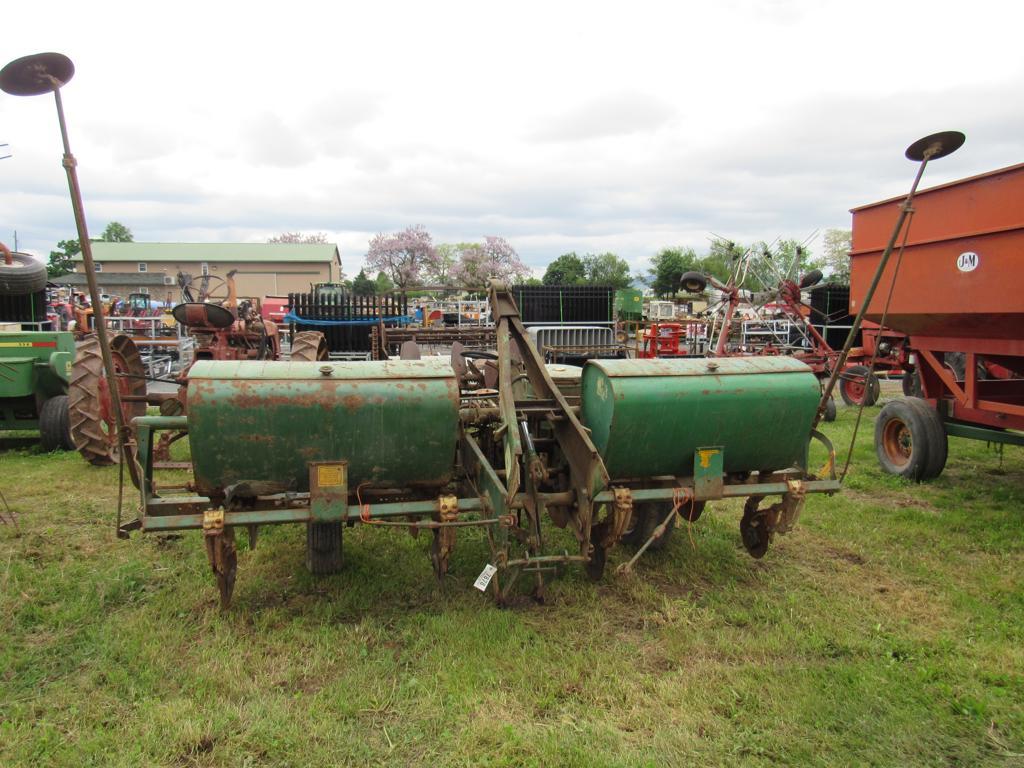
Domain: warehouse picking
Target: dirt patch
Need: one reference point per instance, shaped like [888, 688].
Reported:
[841, 554]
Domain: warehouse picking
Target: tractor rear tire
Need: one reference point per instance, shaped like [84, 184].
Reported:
[309, 346]
[54, 428]
[84, 405]
[323, 548]
[910, 440]
[24, 276]
[861, 385]
[92, 424]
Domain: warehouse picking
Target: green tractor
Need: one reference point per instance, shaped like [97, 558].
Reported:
[51, 384]
[35, 368]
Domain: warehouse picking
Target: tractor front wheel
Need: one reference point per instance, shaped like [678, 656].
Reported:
[54, 429]
[309, 346]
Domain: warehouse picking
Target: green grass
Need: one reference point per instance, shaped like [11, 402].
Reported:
[885, 630]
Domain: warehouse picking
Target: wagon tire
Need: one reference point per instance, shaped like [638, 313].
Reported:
[324, 548]
[309, 346]
[906, 439]
[912, 384]
[54, 429]
[857, 383]
[25, 275]
[938, 442]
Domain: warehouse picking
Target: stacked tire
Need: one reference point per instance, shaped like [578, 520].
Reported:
[24, 275]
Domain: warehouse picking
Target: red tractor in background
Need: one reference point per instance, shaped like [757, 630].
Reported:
[224, 328]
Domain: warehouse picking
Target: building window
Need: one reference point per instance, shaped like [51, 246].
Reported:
[205, 268]
[143, 289]
[97, 267]
[142, 266]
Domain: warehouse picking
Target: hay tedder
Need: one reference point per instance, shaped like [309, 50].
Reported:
[423, 445]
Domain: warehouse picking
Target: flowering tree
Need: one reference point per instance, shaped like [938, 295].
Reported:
[494, 258]
[402, 256]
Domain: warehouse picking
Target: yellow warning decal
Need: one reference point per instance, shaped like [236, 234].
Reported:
[328, 475]
[705, 456]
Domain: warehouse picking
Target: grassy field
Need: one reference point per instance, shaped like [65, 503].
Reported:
[886, 630]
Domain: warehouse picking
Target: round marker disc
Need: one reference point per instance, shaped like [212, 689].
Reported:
[948, 142]
[30, 75]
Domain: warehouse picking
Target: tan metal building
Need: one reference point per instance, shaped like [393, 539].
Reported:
[261, 269]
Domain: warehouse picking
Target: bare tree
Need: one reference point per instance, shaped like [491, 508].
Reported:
[316, 238]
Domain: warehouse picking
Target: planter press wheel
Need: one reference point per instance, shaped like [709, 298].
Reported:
[754, 528]
[91, 413]
[649, 515]
[857, 384]
[830, 410]
[323, 540]
[309, 346]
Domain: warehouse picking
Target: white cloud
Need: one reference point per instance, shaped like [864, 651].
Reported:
[613, 114]
[561, 126]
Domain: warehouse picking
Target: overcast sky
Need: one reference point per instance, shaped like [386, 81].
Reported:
[560, 126]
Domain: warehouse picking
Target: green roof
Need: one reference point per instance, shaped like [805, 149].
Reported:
[213, 252]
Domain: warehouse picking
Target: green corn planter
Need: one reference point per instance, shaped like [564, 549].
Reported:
[396, 423]
[649, 417]
[35, 362]
[35, 367]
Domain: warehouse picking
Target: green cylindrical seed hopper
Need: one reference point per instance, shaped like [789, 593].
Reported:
[647, 417]
[395, 422]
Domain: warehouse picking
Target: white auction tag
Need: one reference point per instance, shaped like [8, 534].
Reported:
[485, 577]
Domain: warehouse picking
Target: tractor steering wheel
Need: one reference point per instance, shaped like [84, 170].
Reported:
[205, 289]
